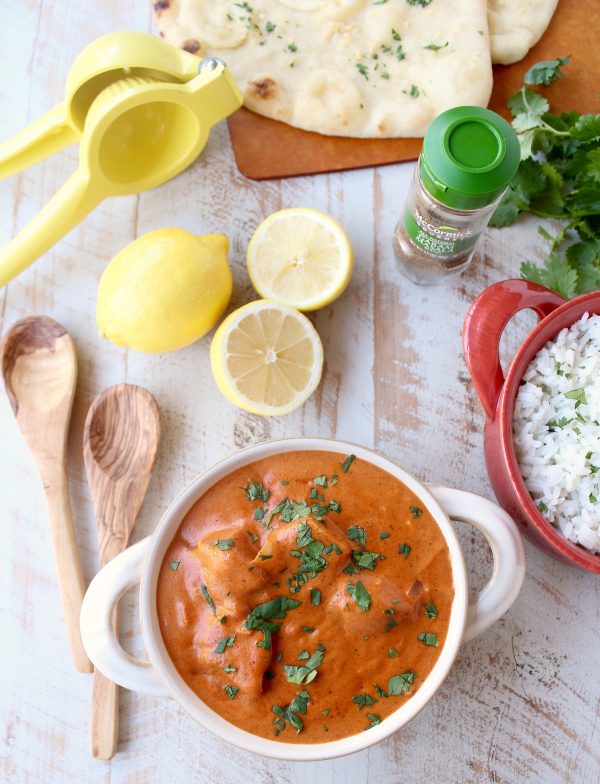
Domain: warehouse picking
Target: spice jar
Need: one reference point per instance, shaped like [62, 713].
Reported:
[469, 156]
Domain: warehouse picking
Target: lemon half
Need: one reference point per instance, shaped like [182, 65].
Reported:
[267, 358]
[301, 257]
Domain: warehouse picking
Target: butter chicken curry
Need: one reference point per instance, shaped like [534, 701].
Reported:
[306, 596]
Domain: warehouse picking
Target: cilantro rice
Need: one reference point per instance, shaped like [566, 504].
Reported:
[556, 426]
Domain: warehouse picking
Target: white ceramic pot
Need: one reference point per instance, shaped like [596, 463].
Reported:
[140, 564]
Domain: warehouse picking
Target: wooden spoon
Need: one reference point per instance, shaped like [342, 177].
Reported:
[122, 430]
[39, 367]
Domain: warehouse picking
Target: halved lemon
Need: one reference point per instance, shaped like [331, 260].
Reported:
[301, 257]
[266, 358]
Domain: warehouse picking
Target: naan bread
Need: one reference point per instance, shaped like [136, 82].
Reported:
[516, 26]
[368, 68]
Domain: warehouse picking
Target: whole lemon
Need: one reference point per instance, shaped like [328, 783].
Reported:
[164, 290]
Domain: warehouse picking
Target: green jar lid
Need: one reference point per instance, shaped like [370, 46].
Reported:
[469, 156]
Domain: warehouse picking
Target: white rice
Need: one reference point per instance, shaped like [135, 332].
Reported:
[557, 438]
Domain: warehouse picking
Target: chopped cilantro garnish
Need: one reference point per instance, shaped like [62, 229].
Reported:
[365, 559]
[428, 638]
[379, 690]
[374, 720]
[334, 479]
[436, 47]
[314, 495]
[332, 548]
[308, 629]
[269, 27]
[335, 506]
[321, 480]
[592, 498]
[400, 684]
[395, 35]
[315, 596]
[303, 655]
[225, 642]
[265, 557]
[559, 370]
[392, 653]
[357, 534]
[256, 492]
[252, 536]
[174, 565]
[292, 47]
[304, 535]
[360, 595]
[223, 544]
[404, 549]
[363, 70]
[207, 596]
[285, 484]
[305, 673]
[390, 624]
[364, 700]
[259, 615]
[351, 458]
[384, 535]
[578, 395]
[415, 511]
[290, 713]
[542, 507]
[325, 712]
[400, 54]
[231, 691]
[259, 513]
[431, 609]
[350, 569]
[229, 668]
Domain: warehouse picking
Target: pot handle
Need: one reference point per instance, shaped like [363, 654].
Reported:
[507, 548]
[99, 638]
[485, 322]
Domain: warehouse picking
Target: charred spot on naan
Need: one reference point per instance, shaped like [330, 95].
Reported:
[265, 88]
[192, 46]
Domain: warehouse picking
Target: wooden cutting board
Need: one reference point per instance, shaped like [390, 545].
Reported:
[266, 149]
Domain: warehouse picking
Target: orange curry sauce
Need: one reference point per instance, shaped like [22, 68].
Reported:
[306, 621]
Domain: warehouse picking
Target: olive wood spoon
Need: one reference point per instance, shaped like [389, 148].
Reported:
[120, 441]
[39, 367]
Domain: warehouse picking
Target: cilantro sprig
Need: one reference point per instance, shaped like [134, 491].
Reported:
[558, 178]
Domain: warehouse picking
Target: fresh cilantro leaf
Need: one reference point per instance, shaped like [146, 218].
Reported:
[415, 511]
[400, 684]
[223, 544]
[304, 535]
[321, 480]
[357, 534]
[207, 596]
[305, 673]
[364, 559]
[291, 713]
[555, 275]
[404, 549]
[428, 638]
[348, 462]
[225, 642]
[546, 71]
[174, 565]
[392, 653]
[261, 615]
[360, 595]
[364, 700]
[430, 609]
[231, 691]
[373, 717]
[315, 596]
[436, 47]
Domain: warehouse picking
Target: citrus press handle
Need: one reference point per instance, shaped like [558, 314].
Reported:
[62, 213]
[35, 142]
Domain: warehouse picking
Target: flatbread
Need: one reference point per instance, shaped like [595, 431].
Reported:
[516, 26]
[365, 68]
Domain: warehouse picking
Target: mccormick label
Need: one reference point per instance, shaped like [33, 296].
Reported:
[437, 241]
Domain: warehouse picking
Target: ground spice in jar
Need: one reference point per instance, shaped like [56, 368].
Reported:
[469, 156]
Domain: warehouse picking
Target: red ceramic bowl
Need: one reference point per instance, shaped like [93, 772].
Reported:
[483, 328]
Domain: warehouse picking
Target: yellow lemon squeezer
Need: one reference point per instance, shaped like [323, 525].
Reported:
[141, 110]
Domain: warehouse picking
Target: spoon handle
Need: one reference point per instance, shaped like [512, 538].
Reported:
[105, 717]
[68, 565]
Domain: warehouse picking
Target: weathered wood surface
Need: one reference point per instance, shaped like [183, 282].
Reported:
[522, 703]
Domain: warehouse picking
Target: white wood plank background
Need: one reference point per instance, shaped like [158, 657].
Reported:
[522, 703]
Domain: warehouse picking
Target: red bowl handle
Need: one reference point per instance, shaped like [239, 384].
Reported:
[485, 322]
